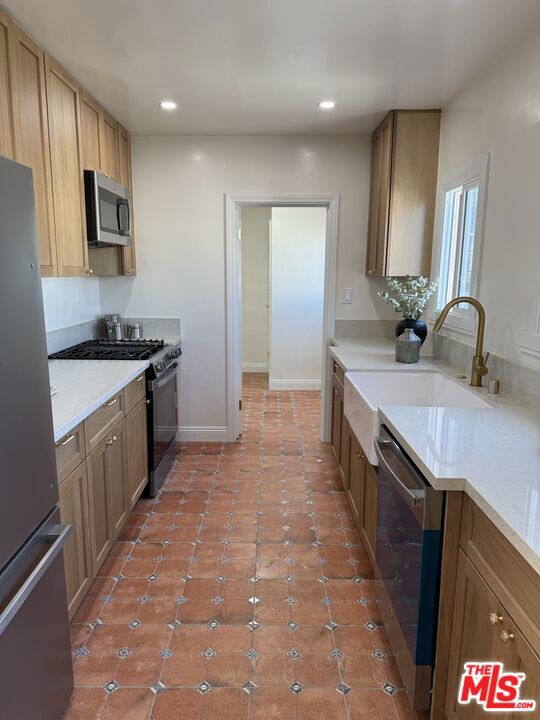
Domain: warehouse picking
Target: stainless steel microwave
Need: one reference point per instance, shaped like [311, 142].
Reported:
[108, 211]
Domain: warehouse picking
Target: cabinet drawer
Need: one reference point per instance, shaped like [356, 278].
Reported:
[340, 372]
[135, 391]
[510, 577]
[70, 452]
[102, 421]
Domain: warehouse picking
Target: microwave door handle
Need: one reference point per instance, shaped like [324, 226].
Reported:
[123, 212]
[414, 498]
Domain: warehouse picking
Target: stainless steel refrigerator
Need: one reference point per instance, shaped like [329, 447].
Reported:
[36, 677]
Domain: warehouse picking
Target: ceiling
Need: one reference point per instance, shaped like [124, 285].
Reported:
[261, 66]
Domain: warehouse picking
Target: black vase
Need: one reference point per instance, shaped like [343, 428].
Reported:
[419, 327]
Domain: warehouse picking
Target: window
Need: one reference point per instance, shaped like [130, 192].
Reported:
[459, 231]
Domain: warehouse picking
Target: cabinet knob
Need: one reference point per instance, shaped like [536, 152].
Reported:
[89, 271]
[370, 272]
[114, 438]
[495, 618]
[128, 272]
[506, 636]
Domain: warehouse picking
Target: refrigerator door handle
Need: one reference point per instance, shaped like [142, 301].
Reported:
[57, 535]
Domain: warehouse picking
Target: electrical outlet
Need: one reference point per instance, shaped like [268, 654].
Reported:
[347, 296]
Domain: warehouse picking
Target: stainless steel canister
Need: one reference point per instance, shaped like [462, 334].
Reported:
[135, 331]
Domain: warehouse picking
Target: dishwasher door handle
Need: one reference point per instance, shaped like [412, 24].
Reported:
[414, 498]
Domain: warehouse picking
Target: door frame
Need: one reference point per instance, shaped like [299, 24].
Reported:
[233, 259]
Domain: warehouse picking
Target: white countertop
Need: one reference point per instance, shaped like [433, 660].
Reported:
[492, 454]
[84, 385]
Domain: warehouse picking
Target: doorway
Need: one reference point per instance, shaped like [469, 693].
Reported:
[320, 371]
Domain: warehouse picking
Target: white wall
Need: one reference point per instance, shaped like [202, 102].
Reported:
[499, 113]
[298, 240]
[179, 187]
[69, 301]
[255, 275]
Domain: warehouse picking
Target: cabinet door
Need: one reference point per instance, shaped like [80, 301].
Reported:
[337, 413]
[99, 504]
[356, 477]
[6, 73]
[137, 452]
[473, 634]
[344, 450]
[117, 477]
[73, 503]
[90, 136]
[369, 510]
[109, 145]
[379, 199]
[129, 264]
[67, 179]
[31, 131]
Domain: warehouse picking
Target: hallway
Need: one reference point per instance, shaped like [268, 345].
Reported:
[241, 591]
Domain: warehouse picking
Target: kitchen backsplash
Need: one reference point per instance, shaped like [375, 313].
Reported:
[517, 380]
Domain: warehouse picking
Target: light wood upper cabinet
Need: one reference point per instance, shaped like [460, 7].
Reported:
[90, 132]
[109, 145]
[404, 162]
[6, 108]
[31, 127]
[73, 503]
[129, 264]
[65, 145]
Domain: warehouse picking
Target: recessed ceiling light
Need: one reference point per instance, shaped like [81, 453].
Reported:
[167, 105]
[327, 104]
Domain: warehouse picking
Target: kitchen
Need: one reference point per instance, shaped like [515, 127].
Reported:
[155, 528]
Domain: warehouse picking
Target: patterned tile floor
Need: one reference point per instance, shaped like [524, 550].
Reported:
[242, 591]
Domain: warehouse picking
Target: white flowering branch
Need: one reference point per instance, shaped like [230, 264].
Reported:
[410, 296]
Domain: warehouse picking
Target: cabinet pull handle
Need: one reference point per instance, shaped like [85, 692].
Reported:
[141, 377]
[67, 440]
[506, 636]
[111, 402]
[114, 438]
[495, 618]
[358, 454]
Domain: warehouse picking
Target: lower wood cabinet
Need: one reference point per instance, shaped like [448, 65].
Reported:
[137, 453]
[117, 479]
[355, 485]
[368, 520]
[482, 630]
[73, 503]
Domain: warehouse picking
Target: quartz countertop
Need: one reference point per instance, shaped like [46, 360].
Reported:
[84, 385]
[492, 454]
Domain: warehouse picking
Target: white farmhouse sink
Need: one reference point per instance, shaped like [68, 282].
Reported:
[366, 391]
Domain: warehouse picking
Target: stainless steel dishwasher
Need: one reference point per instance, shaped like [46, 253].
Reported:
[408, 558]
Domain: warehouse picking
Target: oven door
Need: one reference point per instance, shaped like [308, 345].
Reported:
[408, 547]
[163, 420]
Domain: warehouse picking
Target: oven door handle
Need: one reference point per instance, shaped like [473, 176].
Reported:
[171, 375]
[414, 498]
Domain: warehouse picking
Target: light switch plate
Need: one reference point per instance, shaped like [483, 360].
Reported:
[347, 296]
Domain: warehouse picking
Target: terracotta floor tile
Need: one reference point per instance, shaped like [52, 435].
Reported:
[128, 704]
[223, 569]
[322, 704]
[177, 704]
[85, 703]
[272, 704]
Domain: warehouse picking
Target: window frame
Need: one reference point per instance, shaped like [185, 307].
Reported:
[461, 318]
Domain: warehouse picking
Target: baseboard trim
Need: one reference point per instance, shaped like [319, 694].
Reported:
[255, 367]
[200, 433]
[294, 384]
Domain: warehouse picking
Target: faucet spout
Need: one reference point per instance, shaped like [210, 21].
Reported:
[479, 368]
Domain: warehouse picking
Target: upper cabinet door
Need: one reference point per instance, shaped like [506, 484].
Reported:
[32, 138]
[109, 146]
[379, 198]
[129, 265]
[6, 110]
[65, 142]
[90, 130]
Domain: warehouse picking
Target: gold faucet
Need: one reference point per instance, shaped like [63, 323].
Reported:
[479, 368]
